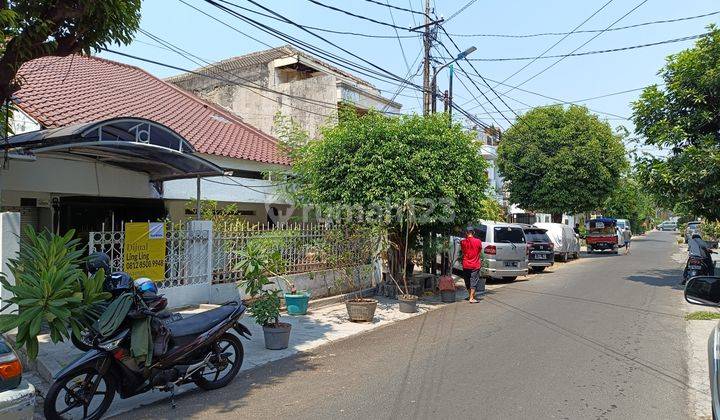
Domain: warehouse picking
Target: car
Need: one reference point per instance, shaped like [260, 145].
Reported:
[690, 229]
[705, 290]
[566, 242]
[17, 397]
[667, 225]
[505, 252]
[541, 253]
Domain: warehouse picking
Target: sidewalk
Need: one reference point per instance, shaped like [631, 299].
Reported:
[319, 327]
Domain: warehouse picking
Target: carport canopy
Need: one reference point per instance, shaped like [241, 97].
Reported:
[136, 144]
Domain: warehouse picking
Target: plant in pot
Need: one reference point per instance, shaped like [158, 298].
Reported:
[408, 301]
[296, 301]
[359, 307]
[256, 262]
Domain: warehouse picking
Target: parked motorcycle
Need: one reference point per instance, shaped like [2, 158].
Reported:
[199, 349]
[696, 266]
[114, 284]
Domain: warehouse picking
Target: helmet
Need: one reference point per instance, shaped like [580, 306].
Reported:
[96, 261]
[144, 284]
[120, 282]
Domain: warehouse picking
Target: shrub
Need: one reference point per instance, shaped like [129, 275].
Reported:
[51, 290]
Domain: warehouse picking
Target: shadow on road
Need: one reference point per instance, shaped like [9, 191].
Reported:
[662, 278]
[195, 402]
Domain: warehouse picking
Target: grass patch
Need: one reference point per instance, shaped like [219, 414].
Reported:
[702, 315]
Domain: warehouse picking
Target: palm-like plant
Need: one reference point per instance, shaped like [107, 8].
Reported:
[50, 289]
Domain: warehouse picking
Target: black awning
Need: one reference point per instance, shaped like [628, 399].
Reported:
[136, 144]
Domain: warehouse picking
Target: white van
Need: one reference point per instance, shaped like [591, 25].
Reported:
[567, 243]
[505, 252]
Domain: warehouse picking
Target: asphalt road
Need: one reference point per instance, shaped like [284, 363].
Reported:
[602, 337]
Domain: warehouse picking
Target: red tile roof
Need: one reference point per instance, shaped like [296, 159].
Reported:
[59, 91]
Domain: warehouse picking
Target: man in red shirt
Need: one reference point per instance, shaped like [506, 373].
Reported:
[471, 250]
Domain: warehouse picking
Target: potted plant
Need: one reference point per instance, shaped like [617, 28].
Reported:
[359, 308]
[408, 302]
[256, 262]
[296, 301]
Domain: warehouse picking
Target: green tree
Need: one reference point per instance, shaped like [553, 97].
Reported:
[560, 160]
[407, 174]
[629, 201]
[38, 28]
[684, 117]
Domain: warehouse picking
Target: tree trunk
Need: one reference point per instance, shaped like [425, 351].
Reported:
[556, 217]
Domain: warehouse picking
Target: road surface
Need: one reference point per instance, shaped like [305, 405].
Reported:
[602, 337]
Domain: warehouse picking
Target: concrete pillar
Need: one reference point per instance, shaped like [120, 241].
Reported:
[197, 263]
[9, 248]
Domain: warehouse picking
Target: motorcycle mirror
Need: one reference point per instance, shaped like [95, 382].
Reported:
[703, 290]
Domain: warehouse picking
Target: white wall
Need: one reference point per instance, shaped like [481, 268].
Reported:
[222, 188]
[69, 176]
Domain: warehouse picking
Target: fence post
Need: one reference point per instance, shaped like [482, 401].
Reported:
[201, 254]
[9, 248]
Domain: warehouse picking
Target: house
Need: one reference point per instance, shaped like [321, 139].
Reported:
[89, 190]
[489, 138]
[283, 80]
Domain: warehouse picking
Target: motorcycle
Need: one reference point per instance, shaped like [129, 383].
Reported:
[696, 266]
[199, 349]
[100, 260]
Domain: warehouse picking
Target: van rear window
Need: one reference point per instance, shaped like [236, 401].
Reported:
[536, 235]
[509, 234]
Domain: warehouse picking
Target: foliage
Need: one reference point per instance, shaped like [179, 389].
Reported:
[376, 170]
[38, 28]
[710, 231]
[684, 117]
[560, 160]
[256, 263]
[492, 210]
[219, 215]
[629, 201]
[51, 289]
[374, 163]
[701, 316]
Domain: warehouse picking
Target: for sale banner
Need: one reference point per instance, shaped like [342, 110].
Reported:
[144, 250]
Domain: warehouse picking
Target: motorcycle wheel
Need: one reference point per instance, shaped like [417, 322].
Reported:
[227, 358]
[82, 393]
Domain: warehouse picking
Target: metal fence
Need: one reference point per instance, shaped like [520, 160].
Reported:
[303, 247]
[184, 256]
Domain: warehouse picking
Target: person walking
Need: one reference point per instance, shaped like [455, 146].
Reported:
[627, 236]
[471, 250]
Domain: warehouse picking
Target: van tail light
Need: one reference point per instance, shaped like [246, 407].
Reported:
[10, 366]
[527, 249]
[491, 250]
[552, 246]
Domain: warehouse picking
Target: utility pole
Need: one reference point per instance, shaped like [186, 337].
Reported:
[427, 93]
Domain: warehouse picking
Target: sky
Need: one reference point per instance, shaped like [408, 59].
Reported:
[571, 79]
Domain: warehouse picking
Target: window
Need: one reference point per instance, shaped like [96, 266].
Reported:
[509, 234]
[536, 235]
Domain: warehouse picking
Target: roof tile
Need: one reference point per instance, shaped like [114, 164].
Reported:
[59, 91]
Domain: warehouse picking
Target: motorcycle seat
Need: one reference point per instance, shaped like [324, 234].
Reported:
[197, 324]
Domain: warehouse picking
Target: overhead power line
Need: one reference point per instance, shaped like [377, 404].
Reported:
[460, 10]
[588, 31]
[611, 50]
[337, 9]
[573, 51]
[396, 8]
[557, 42]
[379, 74]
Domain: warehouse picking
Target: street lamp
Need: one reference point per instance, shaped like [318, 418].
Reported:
[433, 85]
